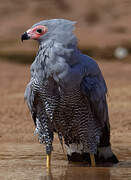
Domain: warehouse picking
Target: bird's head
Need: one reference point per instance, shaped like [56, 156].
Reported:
[58, 29]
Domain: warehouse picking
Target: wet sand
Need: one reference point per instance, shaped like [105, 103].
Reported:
[22, 157]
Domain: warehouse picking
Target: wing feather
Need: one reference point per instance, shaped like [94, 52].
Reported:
[29, 96]
[95, 89]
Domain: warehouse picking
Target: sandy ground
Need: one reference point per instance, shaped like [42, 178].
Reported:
[20, 153]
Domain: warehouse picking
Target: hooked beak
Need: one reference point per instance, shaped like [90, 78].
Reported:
[25, 36]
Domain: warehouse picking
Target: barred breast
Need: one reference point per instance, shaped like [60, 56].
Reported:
[76, 122]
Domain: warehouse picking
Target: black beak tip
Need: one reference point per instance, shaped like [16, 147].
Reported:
[24, 36]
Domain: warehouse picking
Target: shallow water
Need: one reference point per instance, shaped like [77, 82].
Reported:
[27, 161]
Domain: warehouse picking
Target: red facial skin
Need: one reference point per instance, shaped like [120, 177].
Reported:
[33, 34]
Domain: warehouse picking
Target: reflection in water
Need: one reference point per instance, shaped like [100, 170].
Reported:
[27, 161]
[121, 171]
[79, 173]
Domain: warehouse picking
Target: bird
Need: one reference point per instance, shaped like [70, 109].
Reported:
[67, 95]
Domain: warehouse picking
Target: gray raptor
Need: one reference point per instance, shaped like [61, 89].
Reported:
[67, 95]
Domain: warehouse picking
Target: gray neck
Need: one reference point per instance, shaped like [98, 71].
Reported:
[68, 52]
[55, 59]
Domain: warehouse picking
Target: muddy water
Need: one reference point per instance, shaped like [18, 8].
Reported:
[27, 161]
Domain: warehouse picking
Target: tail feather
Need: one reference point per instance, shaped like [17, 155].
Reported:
[104, 154]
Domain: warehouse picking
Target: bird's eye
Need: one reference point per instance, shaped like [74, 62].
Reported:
[39, 31]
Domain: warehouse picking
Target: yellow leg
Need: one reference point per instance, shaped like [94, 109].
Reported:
[93, 164]
[48, 160]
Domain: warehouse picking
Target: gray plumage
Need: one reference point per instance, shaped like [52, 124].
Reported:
[67, 92]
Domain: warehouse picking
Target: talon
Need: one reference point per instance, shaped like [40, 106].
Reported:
[92, 157]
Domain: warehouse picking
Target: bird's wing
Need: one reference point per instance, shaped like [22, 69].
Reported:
[30, 99]
[93, 86]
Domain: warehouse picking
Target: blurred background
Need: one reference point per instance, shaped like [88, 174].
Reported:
[103, 30]
[102, 26]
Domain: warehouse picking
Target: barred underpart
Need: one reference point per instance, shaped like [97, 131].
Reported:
[74, 119]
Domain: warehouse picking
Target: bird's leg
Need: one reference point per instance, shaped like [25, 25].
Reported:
[49, 149]
[48, 161]
[92, 157]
